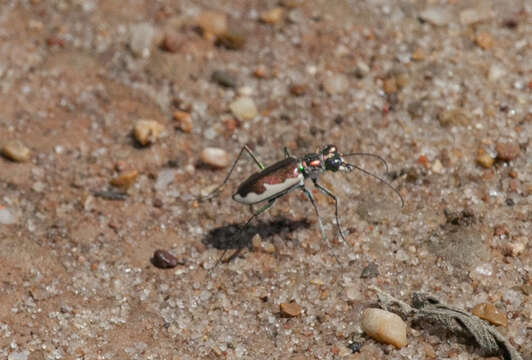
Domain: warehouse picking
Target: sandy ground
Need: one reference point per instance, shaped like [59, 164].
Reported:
[441, 89]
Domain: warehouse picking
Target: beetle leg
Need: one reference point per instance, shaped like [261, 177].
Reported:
[330, 194]
[218, 188]
[286, 153]
[311, 198]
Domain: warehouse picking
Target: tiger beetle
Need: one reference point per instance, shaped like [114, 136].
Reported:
[289, 174]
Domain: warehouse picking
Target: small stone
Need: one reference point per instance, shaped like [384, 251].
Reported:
[256, 242]
[476, 15]
[490, 313]
[418, 55]
[272, 16]
[496, 72]
[437, 167]
[184, 121]
[215, 157]
[384, 326]
[170, 42]
[389, 85]
[454, 117]
[6, 216]
[164, 178]
[268, 247]
[336, 84]
[484, 40]
[362, 69]
[22, 355]
[212, 23]
[141, 39]
[147, 131]
[436, 15]
[232, 39]
[164, 260]
[16, 151]
[507, 151]
[260, 72]
[244, 108]
[484, 159]
[125, 179]
[298, 89]
[370, 271]
[514, 248]
[290, 309]
[224, 78]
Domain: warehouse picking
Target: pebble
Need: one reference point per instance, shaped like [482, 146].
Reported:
[215, 157]
[164, 260]
[454, 117]
[147, 131]
[268, 247]
[370, 271]
[514, 248]
[436, 15]
[272, 16]
[260, 72]
[507, 151]
[244, 108]
[336, 84]
[212, 23]
[290, 309]
[232, 39]
[298, 89]
[184, 121]
[484, 40]
[125, 179]
[141, 39]
[224, 78]
[475, 15]
[490, 313]
[484, 159]
[23, 355]
[418, 55]
[6, 216]
[384, 326]
[170, 42]
[256, 242]
[16, 151]
[164, 178]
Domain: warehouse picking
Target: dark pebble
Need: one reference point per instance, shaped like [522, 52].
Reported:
[163, 259]
[370, 271]
[224, 79]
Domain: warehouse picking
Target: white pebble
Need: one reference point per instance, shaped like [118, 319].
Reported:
[141, 39]
[215, 157]
[244, 108]
[164, 178]
[385, 327]
[6, 216]
[23, 355]
[437, 15]
[336, 84]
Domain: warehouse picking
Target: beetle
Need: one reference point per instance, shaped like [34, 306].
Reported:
[289, 174]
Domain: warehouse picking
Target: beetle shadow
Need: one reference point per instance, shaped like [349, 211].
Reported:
[236, 236]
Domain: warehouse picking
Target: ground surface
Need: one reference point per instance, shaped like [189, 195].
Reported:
[439, 89]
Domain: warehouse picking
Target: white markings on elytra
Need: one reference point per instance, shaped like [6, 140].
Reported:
[271, 190]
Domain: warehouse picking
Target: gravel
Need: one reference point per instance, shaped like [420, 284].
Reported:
[429, 91]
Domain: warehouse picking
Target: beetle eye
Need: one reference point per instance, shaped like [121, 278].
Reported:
[333, 164]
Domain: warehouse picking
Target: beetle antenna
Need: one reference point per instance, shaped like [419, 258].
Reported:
[383, 181]
[369, 154]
